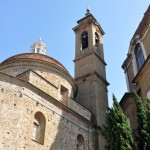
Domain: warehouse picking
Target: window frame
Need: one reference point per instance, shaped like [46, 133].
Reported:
[96, 39]
[80, 142]
[84, 43]
[139, 56]
[38, 128]
[64, 92]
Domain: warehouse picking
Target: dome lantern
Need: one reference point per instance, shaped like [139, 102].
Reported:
[39, 47]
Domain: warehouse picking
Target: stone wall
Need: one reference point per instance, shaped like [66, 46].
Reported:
[18, 105]
[79, 109]
[130, 76]
[52, 75]
[146, 42]
[129, 108]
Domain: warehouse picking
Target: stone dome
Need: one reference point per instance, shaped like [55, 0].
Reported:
[35, 57]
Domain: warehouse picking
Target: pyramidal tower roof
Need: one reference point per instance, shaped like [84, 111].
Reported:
[90, 18]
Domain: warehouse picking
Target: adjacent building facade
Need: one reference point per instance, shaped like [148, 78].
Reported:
[137, 68]
[42, 107]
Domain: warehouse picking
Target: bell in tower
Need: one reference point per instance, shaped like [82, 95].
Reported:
[90, 73]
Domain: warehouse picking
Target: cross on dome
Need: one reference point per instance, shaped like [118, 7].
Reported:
[39, 47]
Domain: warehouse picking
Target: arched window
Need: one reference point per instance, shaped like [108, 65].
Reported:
[38, 130]
[139, 56]
[96, 40]
[84, 40]
[80, 142]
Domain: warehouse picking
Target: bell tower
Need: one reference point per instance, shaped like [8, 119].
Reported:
[90, 73]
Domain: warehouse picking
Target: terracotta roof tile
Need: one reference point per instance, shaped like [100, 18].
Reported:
[35, 56]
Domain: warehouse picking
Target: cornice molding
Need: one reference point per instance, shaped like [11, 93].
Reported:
[43, 65]
[94, 73]
[87, 53]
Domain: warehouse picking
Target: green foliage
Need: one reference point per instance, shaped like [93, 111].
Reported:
[142, 137]
[148, 121]
[116, 129]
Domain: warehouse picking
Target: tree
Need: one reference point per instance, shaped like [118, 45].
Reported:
[148, 121]
[142, 134]
[116, 129]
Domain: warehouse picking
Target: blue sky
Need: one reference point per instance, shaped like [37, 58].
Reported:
[25, 21]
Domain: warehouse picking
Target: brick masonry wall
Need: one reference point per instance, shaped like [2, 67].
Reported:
[17, 108]
[54, 76]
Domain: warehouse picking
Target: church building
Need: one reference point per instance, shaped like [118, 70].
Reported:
[42, 107]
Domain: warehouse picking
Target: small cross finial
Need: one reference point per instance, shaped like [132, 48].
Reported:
[88, 11]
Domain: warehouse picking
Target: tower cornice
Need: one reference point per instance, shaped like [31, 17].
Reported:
[90, 19]
[104, 81]
[90, 52]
